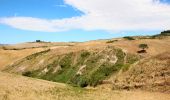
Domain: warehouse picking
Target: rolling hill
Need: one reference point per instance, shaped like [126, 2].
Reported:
[108, 65]
[14, 87]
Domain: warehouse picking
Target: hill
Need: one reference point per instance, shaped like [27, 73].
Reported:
[15, 52]
[103, 64]
[84, 67]
[7, 57]
[14, 87]
[86, 63]
[148, 74]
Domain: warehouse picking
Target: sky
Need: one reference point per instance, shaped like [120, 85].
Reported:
[80, 20]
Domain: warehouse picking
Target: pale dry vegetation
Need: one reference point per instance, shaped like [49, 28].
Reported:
[151, 74]
[14, 87]
[9, 56]
[149, 71]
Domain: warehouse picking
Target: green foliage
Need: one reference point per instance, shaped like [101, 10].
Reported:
[131, 58]
[111, 41]
[83, 82]
[37, 54]
[94, 73]
[128, 38]
[28, 73]
[120, 55]
[66, 61]
[85, 54]
[165, 33]
[38, 40]
[143, 46]
[125, 67]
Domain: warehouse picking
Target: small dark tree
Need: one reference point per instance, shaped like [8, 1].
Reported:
[143, 46]
[128, 38]
[38, 40]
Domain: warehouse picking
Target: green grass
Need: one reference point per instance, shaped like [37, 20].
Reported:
[94, 73]
[37, 54]
[128, 38]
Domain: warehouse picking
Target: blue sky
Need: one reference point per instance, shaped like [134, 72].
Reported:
[52, 10]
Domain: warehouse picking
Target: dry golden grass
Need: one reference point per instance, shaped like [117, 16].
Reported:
[14, 87]
[9, 56]
[156, 46]
[148, 74]
[30, 45]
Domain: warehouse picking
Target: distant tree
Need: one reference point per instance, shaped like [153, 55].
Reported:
[165, 33]
[143, 46]
[128, 38]
[38, 40]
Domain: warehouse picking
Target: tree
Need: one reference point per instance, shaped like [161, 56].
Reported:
[143, 46]
[38, 40]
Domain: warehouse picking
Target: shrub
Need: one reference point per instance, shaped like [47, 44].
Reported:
[38, 40]
[111, 41]
[143, 46]
[165, 33]
[131, 58]
[125, 67]
[28, 73]
[128, 38]
[85, 54]
[83, 82]
[37, 54]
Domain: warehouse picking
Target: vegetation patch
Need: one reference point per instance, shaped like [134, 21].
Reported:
[66, 68]
[111, 41]
[128, 38]
[37, 54]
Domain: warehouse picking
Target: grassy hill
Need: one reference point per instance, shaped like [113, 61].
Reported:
[7, 57]
[14, 87]
[103, 64]
[151, 74]
[82, 68]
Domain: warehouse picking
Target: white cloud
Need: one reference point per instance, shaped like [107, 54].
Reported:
[110, 15]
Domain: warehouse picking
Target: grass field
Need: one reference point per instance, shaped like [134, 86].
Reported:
[14, 87]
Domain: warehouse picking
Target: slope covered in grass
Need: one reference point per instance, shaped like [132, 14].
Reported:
[152, 74]
[82, 68]
[14, 87]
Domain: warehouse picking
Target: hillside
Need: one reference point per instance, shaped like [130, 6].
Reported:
[107, 65]
[14, 87]
[7, 57]
[15, 52]
[32, 45]
[151, 74]
[84, 67]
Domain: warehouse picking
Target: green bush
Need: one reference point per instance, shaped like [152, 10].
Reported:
[28, 73]
[111, 41]
[126, 67]
[131, 58]
[38, 40]
[128, 38]
[85, 54]
[83, 82]
[143, 46]
[37, 54]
